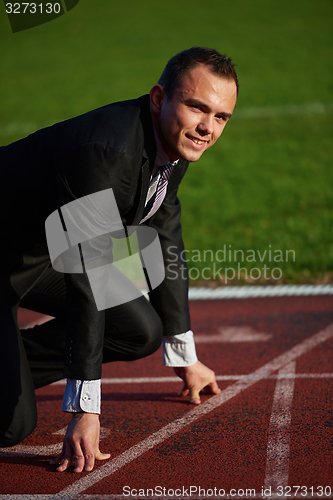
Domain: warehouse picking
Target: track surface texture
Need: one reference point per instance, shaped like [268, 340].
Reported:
[269, 434]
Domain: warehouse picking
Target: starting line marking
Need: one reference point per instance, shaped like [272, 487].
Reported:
[234, 334]
[172, 428]
[159, 380]
[21, 450]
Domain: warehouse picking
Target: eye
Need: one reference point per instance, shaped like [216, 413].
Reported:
[222, 118]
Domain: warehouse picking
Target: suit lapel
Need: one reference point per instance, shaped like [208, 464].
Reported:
[134, 216]
[142, 192]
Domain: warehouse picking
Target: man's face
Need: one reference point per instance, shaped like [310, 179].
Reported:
[195, 117]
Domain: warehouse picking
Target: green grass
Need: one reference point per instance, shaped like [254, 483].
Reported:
[267, 184]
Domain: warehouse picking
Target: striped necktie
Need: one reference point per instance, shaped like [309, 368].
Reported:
[156, 200]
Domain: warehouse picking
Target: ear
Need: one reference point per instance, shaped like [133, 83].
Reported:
[157, 96]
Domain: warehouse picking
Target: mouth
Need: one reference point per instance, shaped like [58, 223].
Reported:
[200, 143]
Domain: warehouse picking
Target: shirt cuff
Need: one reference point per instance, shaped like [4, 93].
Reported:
[179, 350]
[82, 395]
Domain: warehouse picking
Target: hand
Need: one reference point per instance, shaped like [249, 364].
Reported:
[81, 443]
[196, 378]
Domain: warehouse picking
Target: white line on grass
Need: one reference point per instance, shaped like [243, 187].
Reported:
[277, 465]
[307, 108]
[172, 428]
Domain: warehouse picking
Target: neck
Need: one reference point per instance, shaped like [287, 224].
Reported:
[155, 120]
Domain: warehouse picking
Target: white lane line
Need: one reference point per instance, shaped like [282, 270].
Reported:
[28, 497]
[233, 334]
[159, 380]
[21, 450]
[169, 430]
[277, 465]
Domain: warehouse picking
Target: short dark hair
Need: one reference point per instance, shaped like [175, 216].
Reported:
[181, 63]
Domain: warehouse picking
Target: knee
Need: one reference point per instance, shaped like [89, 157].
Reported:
[15, 427]
[11, 436]
[151, 336]
[137, 339]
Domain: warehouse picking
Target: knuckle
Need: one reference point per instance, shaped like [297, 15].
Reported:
[69, 440]
[86, 440]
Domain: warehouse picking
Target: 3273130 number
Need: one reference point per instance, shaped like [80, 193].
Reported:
[304, 491]
[33, 8]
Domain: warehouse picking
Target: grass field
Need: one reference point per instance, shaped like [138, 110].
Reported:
[266, 187]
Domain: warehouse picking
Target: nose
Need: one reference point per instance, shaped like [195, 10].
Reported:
[205, 126]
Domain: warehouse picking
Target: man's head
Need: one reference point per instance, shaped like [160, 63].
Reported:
[181, 63]
[193, 101]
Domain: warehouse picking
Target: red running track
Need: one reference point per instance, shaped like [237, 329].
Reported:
[268, 435]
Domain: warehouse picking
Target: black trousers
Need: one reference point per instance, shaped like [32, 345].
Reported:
[35, 357]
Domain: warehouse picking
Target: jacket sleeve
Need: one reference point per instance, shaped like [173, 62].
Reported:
[79, 173]
[170, 299]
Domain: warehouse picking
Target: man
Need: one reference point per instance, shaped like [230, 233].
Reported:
[121, 147]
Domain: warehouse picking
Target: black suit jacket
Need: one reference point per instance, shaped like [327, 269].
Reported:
[111, 147]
